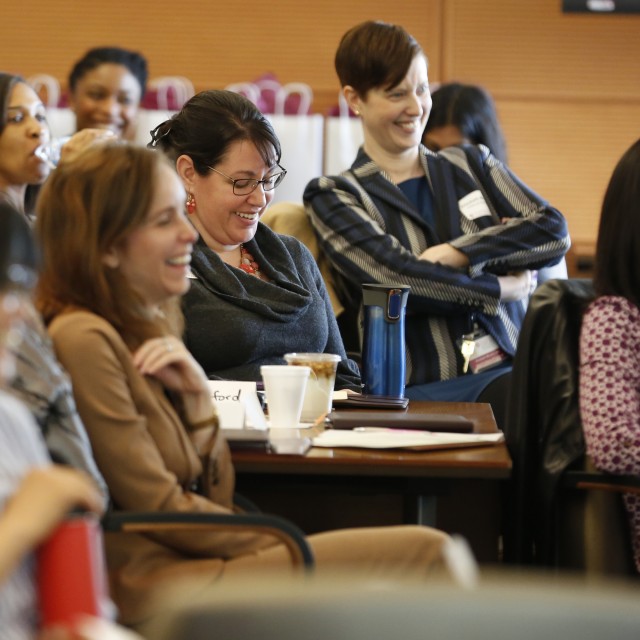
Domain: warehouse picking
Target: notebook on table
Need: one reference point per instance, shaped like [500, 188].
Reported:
[441, 422]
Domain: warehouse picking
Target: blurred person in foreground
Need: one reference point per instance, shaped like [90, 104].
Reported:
[35, 495]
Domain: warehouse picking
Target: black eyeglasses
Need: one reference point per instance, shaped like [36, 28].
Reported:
[244, 186]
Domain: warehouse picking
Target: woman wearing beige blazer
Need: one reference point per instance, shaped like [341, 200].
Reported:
[116, 250]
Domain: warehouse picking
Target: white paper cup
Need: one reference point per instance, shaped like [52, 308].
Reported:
[319, 394]
[284, 387]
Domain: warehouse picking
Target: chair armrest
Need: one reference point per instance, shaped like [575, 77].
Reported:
[244, 504]
[601, 481]
[283, 530]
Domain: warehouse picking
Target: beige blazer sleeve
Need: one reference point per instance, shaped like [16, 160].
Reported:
[139, 442]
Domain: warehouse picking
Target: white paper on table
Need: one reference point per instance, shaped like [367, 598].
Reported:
[382, 438]
[239, 411]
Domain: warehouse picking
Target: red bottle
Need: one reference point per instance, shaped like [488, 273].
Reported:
[71, 574]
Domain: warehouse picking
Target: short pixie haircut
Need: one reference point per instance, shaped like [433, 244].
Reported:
[375, 54]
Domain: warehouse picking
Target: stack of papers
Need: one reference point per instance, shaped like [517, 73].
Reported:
[381, 438]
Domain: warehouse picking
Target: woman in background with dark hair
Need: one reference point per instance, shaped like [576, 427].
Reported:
[106, 87]
[24, 133]
[39, 380]
[24, 143]
[610, 337]
[463, 113]
[255, 294]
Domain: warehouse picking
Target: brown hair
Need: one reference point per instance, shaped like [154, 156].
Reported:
[87, 207]
[375, 54]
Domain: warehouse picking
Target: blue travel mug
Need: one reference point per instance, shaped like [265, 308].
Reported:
[383, 352]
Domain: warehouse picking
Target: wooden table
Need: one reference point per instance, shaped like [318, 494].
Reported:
[455, 489]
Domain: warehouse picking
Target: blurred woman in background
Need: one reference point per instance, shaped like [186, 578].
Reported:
[463, 113]
[466, 114]
[25, 159]
[106, 87]
[24, 133]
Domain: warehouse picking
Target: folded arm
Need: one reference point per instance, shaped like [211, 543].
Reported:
[353, 234]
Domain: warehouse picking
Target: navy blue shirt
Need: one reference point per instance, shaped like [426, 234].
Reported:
[419, 194]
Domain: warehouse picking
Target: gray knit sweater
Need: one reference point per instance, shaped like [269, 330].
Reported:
[236, 322]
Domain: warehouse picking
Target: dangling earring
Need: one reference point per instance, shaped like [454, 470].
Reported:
[191, 204]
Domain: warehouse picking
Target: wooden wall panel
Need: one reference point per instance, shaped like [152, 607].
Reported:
[214, 43]
[567, 86]
[529, 47]
[567, 150]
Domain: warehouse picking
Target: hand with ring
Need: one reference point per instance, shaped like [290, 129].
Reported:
[167, 359]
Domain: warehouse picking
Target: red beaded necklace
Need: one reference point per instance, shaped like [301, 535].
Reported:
[248, 263]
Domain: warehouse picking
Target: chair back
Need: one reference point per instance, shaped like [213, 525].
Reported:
[593, 533]
[47, 87]
[555, 521]
[291, 219]
[544, 433]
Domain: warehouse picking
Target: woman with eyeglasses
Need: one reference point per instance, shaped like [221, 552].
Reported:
[255, 295]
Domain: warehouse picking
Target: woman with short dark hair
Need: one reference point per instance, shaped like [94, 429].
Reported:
[457, 227]
[106, 87]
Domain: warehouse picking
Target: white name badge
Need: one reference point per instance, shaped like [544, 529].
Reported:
[237, 404]
[473, 206]
[487, 354]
